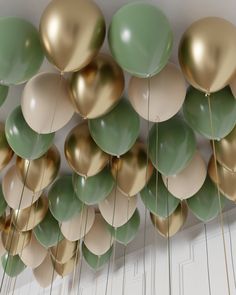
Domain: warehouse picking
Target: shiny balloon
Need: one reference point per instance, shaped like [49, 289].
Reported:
[6, 153]
[12, 265]
[63, 251]
[2, 222]
[64, 269]
[3, 203]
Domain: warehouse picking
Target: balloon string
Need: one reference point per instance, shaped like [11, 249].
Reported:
[168, 237]
[113, 262]
[96, 283]
[231, 253]
[124, 271]
[219, 198]
[207, 260]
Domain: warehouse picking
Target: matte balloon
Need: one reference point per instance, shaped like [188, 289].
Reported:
[93, 189]
[64, 269]
[63, 251]
[63, 202]
[98, 87]
[76, 37]
[188, 182]
[132, 42]
[222, 112]
[116, 132]
[158, 98]
[172, 145]
[21, 54]
[25, 142]
[233, 85]
[46, 103]
[157, 198]
[6, 153]
[3, 203]
[12, 265]
[82, 154]
[206, 53]
[3, 94]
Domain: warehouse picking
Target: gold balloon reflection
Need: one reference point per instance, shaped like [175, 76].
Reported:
[63, 269]
[64, 251]
[6, 153]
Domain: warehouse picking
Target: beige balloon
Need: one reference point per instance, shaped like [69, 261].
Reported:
[77, 227]
[189, 181]
[63, 251]
[233, 85]
[46, 103]
[99, 239]
[117, 208]
[15, 193]
[64, 269]
[34, 253]
[167, 94]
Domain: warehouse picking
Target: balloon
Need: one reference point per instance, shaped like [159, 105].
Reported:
[2, 249]
[3, 203]
[25, 142]
[166, 94]
[188, 182]
[63, 202]
[94, 261]
[63, 251]
[157, 199]
[82, 154]
[205, 203]
[78, 226]
[93, 189]
[12, 265]
[127, 232]
[63, 269]
[223, 112]
[140, 39]
[3, 94]
[172, 145]
[206, 53]
[34, 253]
[48, 231]
[2, 222]
[26, 219]
[117, 209]
[21, 54]
[6, 153]
[233, 85]
[97, 88]
[99, 239]
[15, 193]
[75, 38]
[169, 226]
[46, 103]
[116, 132]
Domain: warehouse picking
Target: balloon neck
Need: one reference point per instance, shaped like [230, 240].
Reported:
[207, 94]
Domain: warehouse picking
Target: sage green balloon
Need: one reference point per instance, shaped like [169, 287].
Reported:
[127, 232]
[48, 232]
[24, 141]
[12, 265]
[3, 204]
[172, 145]
[205, 203]
[94, 189]
[140, 39]
[21, 54]
[157, 198]
[3, 93]
[94, 261]
[116, 132]
[223, 112]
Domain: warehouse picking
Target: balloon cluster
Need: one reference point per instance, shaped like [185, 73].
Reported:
[86, 211]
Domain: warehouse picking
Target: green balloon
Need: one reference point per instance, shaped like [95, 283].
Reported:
[155, 196]
[48, 232]
[12, 265]
[127, 232]
[94, 189]
[63, 202]
[172, 145]
[3, 94]
[21, 54]
[223, 109]
[24, 141]
[3, 204]
[94, 261]
[140, 39]
[116, 132]
[205, 203]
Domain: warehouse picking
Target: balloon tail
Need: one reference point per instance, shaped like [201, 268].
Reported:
[168, 238]
[207, 260]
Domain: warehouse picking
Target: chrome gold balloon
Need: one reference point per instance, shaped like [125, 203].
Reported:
[63, 269]
[2, 222]
[63, 251]
[6, 153]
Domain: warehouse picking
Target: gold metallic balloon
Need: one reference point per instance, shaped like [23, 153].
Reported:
[176, 220]
[64, 251]
[26, 219]
[207, 53]
[2, 222]
[39, 173]
[63, 269]
[72, 33]
[82, 153]
[98, 87]
[6, 153]
[131, 171]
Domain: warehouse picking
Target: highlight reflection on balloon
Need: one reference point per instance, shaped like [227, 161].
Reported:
[6, 153]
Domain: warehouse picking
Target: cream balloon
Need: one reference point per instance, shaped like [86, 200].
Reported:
[117, 208]
[77, 227]
[189, 181]
[15, 193]
[46, 103]
[166, 96]
[232, 85]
